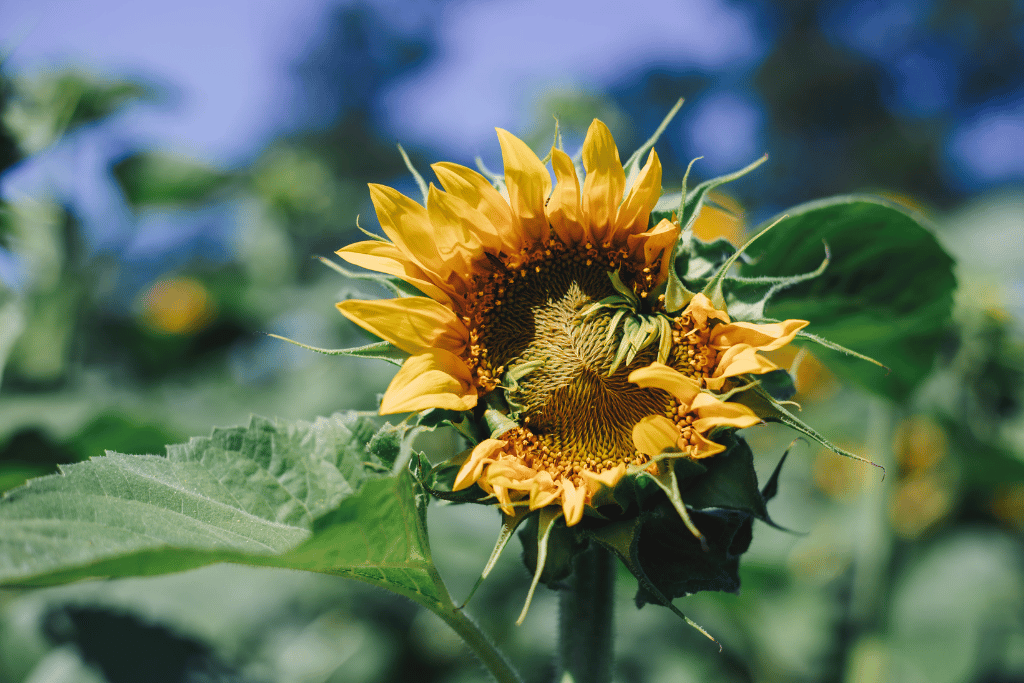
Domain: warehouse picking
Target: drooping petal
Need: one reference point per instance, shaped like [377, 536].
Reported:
[414, 324]
[605, 180]
[635, 211]
[433, 379]
[655, 247]
[484, 453]
[609, 478]
[703, 447]
[474, 189]
[407, 225]
[660, 376]
[384, 257]
[713, 413]
[654, 434]
[543, 490]
[740, 360]
[764, 337]
[563, 209]
[573, 501]
[700, 309]
[529, 185]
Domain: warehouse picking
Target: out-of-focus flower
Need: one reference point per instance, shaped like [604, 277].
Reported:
[178, 306]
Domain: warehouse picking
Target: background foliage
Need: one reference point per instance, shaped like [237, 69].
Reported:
[141, 324]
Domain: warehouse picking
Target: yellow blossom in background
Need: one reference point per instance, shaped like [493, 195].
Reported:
[179, 306]
[517, 284]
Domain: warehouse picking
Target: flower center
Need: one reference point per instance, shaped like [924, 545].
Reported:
[554, 364]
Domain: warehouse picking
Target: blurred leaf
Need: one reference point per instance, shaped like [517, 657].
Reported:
[887, 293]
[15, 474]
[159, 179]
[12, 322]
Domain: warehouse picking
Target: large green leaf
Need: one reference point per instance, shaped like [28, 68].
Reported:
[303, 496]
[887, 292]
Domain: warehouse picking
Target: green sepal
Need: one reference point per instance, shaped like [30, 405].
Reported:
[695, 198]
[547, 520]
[509, 524]
[399, 287]
[632, 165]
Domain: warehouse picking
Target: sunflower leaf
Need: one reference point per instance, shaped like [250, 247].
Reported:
[887, 293]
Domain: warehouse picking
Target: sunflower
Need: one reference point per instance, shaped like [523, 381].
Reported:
[543, 299]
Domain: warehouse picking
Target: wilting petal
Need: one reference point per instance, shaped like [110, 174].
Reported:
[660, 376]
[483, 454]
[740, 360]
[713, 413]
[609, 478]
[655, 246]
[701, 310]
[414, 324]
[434, 379]
[407, 225]
[654, 434]
[474, 189]
[704, 447]
[602, 188]
[573, 501]
[765, 337]
[563, 209]
[543, 490]
[635, 211]
[384, 257]
[529, 185]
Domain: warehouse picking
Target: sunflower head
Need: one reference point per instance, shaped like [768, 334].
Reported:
[543, 314]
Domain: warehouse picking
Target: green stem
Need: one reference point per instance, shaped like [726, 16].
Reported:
[585, 619]
[489, 655]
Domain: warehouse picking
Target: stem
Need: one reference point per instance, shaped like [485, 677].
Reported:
[489, 655]
[585, 624]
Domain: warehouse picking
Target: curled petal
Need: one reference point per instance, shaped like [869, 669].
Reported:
[635, 211]
[484, 453]
[433, 379]
[563, 209]
[654, 434]
[543, 490]
[384, 257]
[655, 246]
[573, 501]
[700, 310]
[713, 413]
[660, 376]
[472, 188]
[529, 185]
[414, 324]
[704, 447]
[765, 337]
[607, 479]
[602, 188]
[740, 360]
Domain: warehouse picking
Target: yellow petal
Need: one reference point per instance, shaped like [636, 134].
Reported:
[483, 454]
[713, 413]
[461, 232]
[655, 246]
[766, 337]
[563, 209]
[654, 434]
[573, 500]
[414, 324]
[407, 225]
[477, 191]
[607, 479]
[740, 360]
[660, 376]
[543, 490]
[602, 188]
[529, 185]
[700, 310]
[705, 447]
[384, 257]
[635, 211]
[433, 379]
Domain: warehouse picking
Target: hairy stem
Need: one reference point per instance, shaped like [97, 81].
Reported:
[585, 623]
